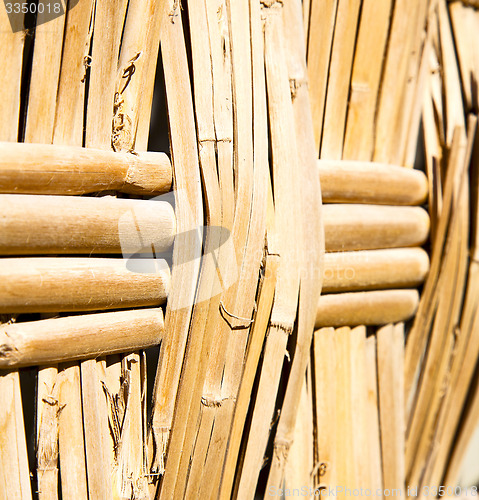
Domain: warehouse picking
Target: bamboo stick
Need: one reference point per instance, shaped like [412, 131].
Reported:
[363, 227]
[368, 182]
[40, 120]
[10, 80]
[390, 348]
[369, 54]
[322, 21]
[189, 212]
[14, 471]
[55, 224]
[46, 169]
[312, 243]
[374, 429]
[340, 70]
[76, 284]
[326, 365]
[374, 269]
[366, 308]
[79, 337]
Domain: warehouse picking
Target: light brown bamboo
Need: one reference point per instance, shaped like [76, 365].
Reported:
[311, 238]
[390, 349]
[79, 337]
[81, 284]
[363, 227]
[374, 269]
[341, 67]
[326, 365]
[189, 212]
[369, 182]
[366, 308]
[55, 224]
[47, 169]
[14, 470]
[369, 53]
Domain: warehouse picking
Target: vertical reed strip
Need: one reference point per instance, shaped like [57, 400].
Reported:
[365, 79]
[394, 78]
[311, 240]
[14, 470]
[39, 126]
[187, 249]
[326, 364]
[238, 303]
[340, 70]
[322, 21]
[285, 164]
[10, 79]
[390, 350]
[373, 427]
[199, 342]
[68, 129]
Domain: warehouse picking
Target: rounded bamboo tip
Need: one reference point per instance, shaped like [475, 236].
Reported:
[366, 308]
[369, 182]
[369, 227]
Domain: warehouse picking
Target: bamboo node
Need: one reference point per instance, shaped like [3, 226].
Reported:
[245, 322]
[212, 402]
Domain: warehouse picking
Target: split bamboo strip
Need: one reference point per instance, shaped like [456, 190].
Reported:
[206, 309]
[365, 80]
[374, 269]
[12, 43]
[79, 337]
[69, 129]
[250, 150]
[346, 470]
[436, 365]
[311, 238]
[366, 308]
[286, 203]
[326, 365]
[63, 224]
[300, 462]
[322, 21]
[374, 429]
[416, 343]
[74, 284]
[395, 72]
[467, 430]
[39, 125]
[364, 227]
[69, 118]
[390, 349]
[368, 182]
[339, 77]
[359, 403]
[189, 213]
[46, 169]
[14, 471]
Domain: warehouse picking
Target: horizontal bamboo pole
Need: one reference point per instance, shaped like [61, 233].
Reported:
[366, 308]
[79, 337]
[367, 227]
[374, 269]
[49, 284]
[48, 169]
[369, 182]
[64, 224]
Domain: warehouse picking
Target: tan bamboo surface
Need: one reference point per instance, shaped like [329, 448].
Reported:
[46, 169]
[320, 317]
